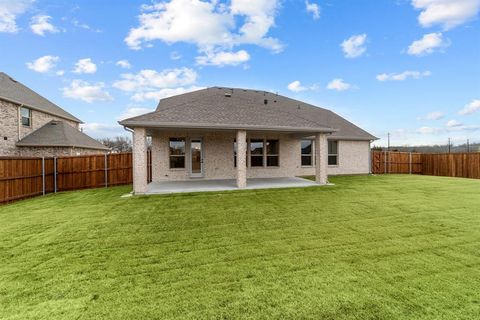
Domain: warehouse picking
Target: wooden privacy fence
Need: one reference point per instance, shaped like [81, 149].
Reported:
[466, 165]
[27, 177]
[396, 162]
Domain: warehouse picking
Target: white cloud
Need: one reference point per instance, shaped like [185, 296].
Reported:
[454, 123]
[102, 130]
[9, 10]
[124, 64]
[296, 86]
[60, 73]
[470, 108]
[43, 64]
[402, 76]
[447, 13]
[40, 25]
[174, 55]
[85, 66]
[436, 115]
[428, 130]
[210, 25]
[155, 85]
[87, 92]
[354, 46]
[148, 80]
[163, 93]
[133, 112]
[339, 85]
[223, 58]
[427, 44]
[85, 26]
[313, 8]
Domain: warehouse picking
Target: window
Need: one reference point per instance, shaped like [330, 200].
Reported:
[332, 153]
[272, 153]
[307, 153]
[177, 153]
[261, 149]
[26, 115]
[256, 153]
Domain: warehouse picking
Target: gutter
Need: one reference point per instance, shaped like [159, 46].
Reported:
[127, 129]
[179, 125]
[27, 145]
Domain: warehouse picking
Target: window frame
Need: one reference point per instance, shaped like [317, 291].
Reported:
[336, 155]
[170, 155]
[256, 155]
[311, 155]
[267, 155]
[29, 117]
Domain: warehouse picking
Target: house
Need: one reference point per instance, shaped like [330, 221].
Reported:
[32, 126]
[225, 133]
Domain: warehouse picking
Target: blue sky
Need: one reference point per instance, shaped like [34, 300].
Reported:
[411, 68]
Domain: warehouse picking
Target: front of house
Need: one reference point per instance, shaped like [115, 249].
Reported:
[224, 133]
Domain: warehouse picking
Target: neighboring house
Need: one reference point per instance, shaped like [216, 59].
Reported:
[224, 133]
[31, 125]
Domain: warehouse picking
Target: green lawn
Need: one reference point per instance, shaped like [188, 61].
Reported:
[384, 247]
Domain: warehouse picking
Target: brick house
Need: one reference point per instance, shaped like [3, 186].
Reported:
[224, 133]
[32, 126]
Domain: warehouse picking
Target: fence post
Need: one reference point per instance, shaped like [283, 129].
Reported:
[43, 175]
[55, 174]
[385, 161]
[106, 170]
[410, 163]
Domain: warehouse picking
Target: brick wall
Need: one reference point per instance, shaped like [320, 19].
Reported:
[354, 157]
[11, 130]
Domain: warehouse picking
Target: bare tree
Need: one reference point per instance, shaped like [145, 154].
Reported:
[117, 144]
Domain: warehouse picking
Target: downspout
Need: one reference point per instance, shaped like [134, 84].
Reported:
[19, 121]
[370, 157]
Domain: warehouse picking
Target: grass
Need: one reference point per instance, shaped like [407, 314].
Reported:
[384, 247]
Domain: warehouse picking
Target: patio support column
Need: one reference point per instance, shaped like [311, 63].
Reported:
[321, 156]
[241, 159]
[139, 161]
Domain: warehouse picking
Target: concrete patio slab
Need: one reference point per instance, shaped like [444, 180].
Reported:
[166, 187]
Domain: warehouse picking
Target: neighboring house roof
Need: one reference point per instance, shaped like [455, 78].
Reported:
[59, 134]
[226, 108]
[13, 91]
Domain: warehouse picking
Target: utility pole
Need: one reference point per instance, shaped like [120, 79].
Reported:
[388, 137]
[468, 145]
[449, 145]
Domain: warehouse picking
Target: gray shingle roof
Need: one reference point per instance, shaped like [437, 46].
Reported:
[59, 134]
[237, 108]
[16, 92]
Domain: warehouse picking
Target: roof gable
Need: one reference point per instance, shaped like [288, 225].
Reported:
[59, 134]
[16, 92]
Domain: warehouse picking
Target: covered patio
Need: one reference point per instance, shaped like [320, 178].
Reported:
[235, 167]
[167, 187]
